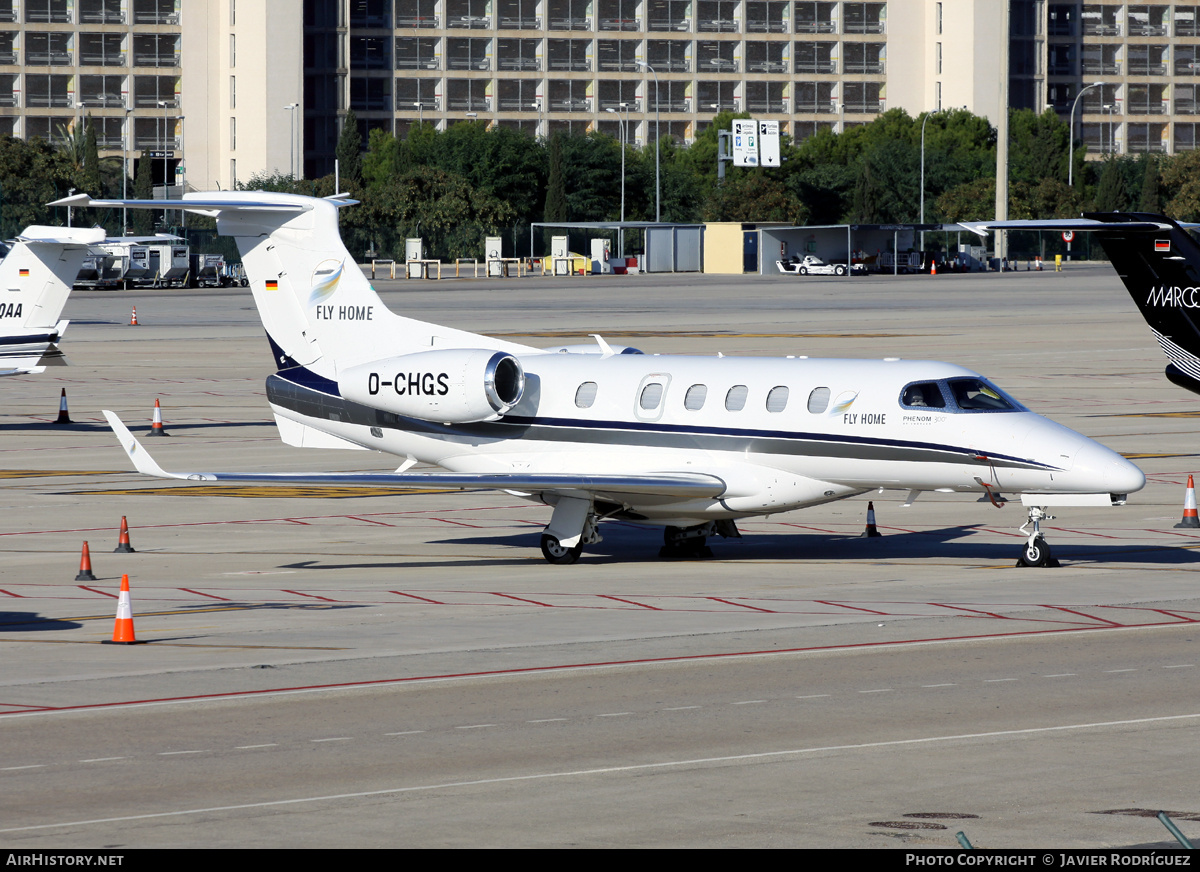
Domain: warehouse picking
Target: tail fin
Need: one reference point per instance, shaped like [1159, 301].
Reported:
[1161, 271]
[36, 278]
[318, 308]
[1159, 262]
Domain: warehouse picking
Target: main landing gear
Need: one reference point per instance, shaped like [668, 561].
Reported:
[556, 552]
[688, 543]
[1036, 552]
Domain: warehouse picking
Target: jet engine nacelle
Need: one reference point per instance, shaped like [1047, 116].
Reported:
[454, 386]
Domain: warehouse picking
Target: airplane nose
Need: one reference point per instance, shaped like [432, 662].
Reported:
[1111, 472]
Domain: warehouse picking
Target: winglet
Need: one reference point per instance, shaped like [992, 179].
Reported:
[140, 456]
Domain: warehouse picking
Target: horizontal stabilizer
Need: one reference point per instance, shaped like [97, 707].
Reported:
[675, 484]
[1061, 225]
[36, 233]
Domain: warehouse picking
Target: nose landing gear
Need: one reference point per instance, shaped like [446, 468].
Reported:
[1036, 551]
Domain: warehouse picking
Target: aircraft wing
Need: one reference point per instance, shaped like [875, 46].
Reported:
[677, 484]
[1079, 225]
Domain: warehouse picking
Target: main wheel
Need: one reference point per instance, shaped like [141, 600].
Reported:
[1036, 554]
[555, 552]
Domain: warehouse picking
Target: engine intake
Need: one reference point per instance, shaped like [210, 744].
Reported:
[454, 386]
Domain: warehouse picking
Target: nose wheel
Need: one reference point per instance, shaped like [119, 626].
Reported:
[1036, 551]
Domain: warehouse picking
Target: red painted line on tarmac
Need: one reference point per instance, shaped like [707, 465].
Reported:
[369, 521]
[1085, 533]
[93, 590]
[629, 602]
[311, 595]
[458, 523]
[414, 596]
[521, 599]
[562, 667]
[10, 593]
[202, 593]
[808, 527]
[1168, 612]
[973, 611]
[718, 599]
[853, 608]
[1082, 614]
[301, 523]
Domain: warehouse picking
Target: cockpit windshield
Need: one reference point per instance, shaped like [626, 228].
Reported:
[958, 395]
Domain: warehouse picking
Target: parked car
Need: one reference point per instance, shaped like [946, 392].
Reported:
[813, 265]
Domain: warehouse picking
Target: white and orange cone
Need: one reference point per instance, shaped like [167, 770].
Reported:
[123, 629]
[123, 546]
[63, 416]
[1190, 518]
[872, 531]
[85, 565]
[133, 321]
[156, 426]
[933, 268]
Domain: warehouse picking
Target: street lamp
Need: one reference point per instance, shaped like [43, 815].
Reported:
[291, 110]
[1071, 137]
[125, 170]
[657, 145]
[623, 122]
[928, 115]
[420, 113]
[166, 193]
[1108, 108]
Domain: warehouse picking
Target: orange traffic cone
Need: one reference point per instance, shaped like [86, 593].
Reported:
[63, 416]
[156, 427]
[133, 321]
[85, 566]
[123, 629]
[123, 546]
[1189, 506]
[933, 268]
[872, 531]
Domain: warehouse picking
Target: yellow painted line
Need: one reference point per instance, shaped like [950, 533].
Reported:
[42, 473]
[1191, 414]
[265, 491]
[717, 334]
[1147, 456]
[144, 641]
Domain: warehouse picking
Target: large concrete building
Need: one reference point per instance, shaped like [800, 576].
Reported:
[250, 86]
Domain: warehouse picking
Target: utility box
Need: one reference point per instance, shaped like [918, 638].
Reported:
[601, 254]
[560, 254]
[414, 254]
[492, 251]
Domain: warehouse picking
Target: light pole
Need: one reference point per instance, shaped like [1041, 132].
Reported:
[1071, 138]
[420, 113]
[623, 123]
[166, 193]
[291, 110]
[125, 171]
[928, 115]
[657, 146]
[1108, 109]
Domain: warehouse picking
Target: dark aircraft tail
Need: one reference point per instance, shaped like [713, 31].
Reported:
[1159, 262]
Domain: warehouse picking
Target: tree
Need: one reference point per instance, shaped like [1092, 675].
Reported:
[142, 220]
[556, 184]
[1111, 195]
[1150, 201]
[754, 196]
[1181, 186]
[349, 151]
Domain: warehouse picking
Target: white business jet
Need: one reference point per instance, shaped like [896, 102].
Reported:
[687, 443]
[35, 280]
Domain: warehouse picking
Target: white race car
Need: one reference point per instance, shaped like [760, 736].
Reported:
[813, 265]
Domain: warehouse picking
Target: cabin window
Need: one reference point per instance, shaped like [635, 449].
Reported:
[818, 400]
[651, 396]
[923, 395]
[735, 400]
[586, 395]
[777, 399]
[693, 400]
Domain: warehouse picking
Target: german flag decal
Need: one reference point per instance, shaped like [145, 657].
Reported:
[1162, 245]
[272, 285]
[24, 272]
